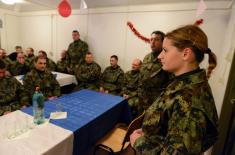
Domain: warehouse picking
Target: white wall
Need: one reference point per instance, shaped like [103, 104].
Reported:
[106, 32]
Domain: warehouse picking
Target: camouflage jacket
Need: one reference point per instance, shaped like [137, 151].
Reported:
[130, 83]
[17, 68]
[151, 57]
[183, 119]
[153, 80]
[7, 61]
[62, 66]
[45, 80]
[76, 53]
[29, 61]
[12, 95]
[51, 65]
[88, 72]
[112, 79]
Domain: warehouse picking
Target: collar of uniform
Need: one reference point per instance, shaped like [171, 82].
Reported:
[186, 80]
[115, 67]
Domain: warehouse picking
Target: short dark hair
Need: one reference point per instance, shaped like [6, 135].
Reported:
[39, 57]
[75, 31]
[31, 49]
[43, 53]
[2, 64]
[114, 56]
[18, 47]
[159, 33]
[88, 53]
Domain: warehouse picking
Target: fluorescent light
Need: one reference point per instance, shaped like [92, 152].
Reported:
[11, 2]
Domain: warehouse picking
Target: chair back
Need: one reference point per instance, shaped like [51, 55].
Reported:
[135, 124]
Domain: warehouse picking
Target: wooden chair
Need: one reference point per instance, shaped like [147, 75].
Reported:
[117, 140]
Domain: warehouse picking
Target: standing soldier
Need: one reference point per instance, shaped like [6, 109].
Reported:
[61, 64]
[112, 77]
[153, 79]
[30, 57]
[88, 74]
[19, 67]
[40, 76]
[76, 52]
[12, 95]
[130, 87]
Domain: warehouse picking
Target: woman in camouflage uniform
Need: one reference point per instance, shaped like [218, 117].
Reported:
[183, 119]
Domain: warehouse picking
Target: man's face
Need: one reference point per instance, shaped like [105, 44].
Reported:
[136, 65]
[29, 52]
[40, 64]
[75, 36]
[156, 43]
[21, 58]
[2, 73]
[89, 58]
[18, 50]
[113, 62]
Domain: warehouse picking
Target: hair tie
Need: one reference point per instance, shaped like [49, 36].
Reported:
[208, 51]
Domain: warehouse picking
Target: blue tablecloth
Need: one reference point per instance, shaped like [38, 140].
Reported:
[90, 115]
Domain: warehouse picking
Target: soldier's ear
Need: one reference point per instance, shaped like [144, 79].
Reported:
[187, 54]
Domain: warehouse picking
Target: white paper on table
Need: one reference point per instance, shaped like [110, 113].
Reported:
[58, 115]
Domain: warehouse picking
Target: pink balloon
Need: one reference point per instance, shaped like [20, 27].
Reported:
[64, 8]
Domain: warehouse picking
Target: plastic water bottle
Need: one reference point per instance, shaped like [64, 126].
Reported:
[38, 107]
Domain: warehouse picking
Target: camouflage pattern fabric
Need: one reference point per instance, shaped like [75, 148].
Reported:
[130, 88]
[51, 65]
[88, 76]
[75, 54]
[153, 80]
[12, 95]
[183, 120]
[112, 79]
[7, 61]
[17, 68]
[45, 80]
[61, 66]
[29, 61]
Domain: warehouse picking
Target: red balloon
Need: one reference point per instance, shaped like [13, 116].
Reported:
[64, 8]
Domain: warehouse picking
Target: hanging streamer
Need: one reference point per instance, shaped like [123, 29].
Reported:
[64, 8]
[130, 25]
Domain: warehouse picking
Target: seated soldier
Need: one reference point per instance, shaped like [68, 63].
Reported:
[4, 58]
[51, 65]
[61, 64]
[130, 87]
[30, 57]
[88, 74]
[42, 77]
[13, 55]
[19, 67]
[12, 95]
[112, 77]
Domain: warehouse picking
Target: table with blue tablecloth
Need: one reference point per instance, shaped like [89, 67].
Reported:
[90, 115]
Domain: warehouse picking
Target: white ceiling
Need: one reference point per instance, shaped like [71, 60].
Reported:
[39, 5]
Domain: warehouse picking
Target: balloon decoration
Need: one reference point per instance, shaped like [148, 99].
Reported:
[64, 8]
[199, 22]
[131, 26]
